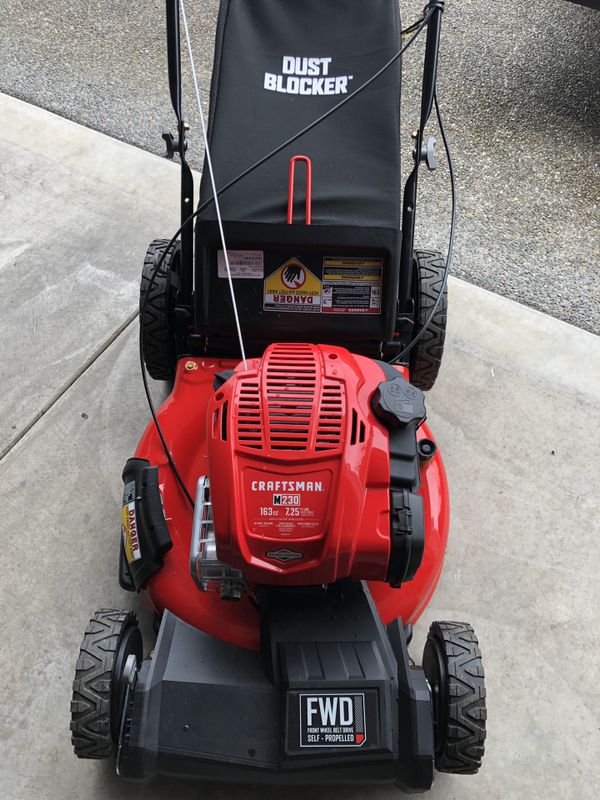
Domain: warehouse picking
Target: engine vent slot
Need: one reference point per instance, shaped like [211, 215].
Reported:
[358, 429]
[224, 421]
[362, 432]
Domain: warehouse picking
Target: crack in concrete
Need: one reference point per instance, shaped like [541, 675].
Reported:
[69, 383]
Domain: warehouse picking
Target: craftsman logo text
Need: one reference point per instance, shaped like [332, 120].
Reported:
[287, 486]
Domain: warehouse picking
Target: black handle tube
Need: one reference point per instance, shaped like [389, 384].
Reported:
[174, 55]
[187, 179]
[434, 27]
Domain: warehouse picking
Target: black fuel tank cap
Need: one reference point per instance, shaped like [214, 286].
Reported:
[397, 403]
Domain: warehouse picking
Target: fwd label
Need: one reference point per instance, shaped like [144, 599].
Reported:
[332, 720]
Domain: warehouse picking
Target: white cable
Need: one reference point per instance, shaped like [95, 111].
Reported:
[213, 184]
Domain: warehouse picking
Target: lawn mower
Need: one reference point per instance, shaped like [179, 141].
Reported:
[285, 514]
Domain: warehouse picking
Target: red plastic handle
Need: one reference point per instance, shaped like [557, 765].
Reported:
[290, 207]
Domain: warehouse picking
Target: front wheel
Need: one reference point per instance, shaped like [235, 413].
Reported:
[454, 670]
[99, 686]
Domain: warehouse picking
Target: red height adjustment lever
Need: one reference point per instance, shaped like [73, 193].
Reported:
[290, 207]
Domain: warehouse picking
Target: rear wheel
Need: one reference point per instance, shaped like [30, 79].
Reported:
[158, 308]
[428, 279]
[453, 667]
[99, 686]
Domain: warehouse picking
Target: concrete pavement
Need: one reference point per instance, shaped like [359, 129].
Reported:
[61, 254]
[516, 414]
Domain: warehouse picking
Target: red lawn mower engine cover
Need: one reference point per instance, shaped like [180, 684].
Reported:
[314, 469]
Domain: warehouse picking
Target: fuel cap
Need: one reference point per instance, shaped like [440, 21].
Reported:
[397, 403]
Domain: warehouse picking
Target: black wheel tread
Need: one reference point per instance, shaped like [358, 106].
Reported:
[159, 353]
[90, 705]
[463, 747]
[426, 356]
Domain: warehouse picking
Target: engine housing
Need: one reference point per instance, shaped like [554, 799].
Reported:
[300, 468]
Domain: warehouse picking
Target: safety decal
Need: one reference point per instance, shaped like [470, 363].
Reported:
[352, 285]
[292, 287]
[129, 528]
[242, 263]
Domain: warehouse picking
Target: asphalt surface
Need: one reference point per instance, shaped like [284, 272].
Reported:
[518, 84]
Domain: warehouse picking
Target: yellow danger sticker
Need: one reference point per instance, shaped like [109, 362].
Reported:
[129, 532]
[292, 287]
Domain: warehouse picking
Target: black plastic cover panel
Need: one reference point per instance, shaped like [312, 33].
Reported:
[207, 709]
[144, 534]
[270, 312]
[280, 64]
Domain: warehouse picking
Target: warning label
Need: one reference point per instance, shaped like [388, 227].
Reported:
[129, 529]
[242, 263]
[292, 287]
[352, 285]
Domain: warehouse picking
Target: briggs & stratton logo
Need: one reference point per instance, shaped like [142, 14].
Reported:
[284, 555]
